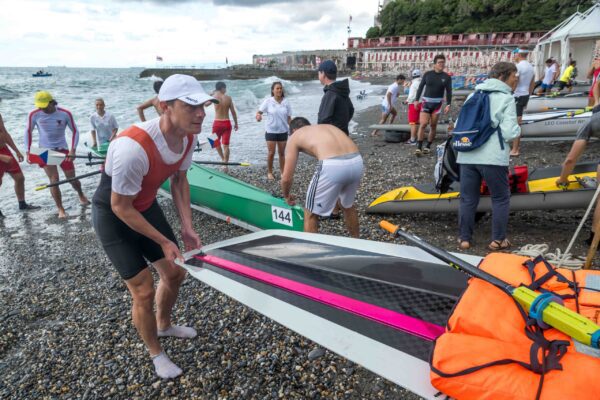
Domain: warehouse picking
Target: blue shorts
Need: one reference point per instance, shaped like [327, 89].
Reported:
[547, 86]
[385, 109]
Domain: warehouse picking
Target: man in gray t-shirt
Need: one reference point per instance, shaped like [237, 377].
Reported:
[591, 129]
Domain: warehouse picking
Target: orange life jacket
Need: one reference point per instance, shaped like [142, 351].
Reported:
[493, 351]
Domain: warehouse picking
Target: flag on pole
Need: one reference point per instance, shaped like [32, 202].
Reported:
[159, 58]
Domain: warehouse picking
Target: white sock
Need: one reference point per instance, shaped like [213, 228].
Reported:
[164, 367]
[178, 331]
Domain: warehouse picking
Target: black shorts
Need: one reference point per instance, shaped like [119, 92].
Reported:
[521, 103]
[431, 108]
[129, 251]
[561, 84]
[276, 137]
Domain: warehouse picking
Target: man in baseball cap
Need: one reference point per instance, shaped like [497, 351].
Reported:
[52, 122]
[131, 225]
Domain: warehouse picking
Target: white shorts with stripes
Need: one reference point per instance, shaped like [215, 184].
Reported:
[335, 178]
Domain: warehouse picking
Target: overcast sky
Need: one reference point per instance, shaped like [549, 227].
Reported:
[125, 33]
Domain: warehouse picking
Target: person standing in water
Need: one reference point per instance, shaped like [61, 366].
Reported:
[222, 125]
[104, 125]
[9, 164]
[52, 122]
[279, 115]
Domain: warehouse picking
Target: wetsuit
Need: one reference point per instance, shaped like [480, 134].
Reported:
[432, 87]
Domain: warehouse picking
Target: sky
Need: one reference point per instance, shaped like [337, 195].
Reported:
[132, 33]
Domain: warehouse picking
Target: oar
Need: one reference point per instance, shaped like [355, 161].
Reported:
[67, 180]
[586, 109]
[568, 114]
[241, 164]
[540, 306]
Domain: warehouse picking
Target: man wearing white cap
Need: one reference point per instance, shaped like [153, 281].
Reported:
[414, 110]
[131, 225]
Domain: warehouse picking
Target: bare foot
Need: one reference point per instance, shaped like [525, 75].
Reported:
[62, 214]
[512, 154]
[84, 201]
[374, 133]
[270, 177]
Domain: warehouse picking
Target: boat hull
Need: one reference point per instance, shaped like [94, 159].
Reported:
[533, 128]
[543, 195]
[233, 200]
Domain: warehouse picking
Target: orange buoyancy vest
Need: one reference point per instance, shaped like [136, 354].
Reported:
[158, 171]
[493, 351]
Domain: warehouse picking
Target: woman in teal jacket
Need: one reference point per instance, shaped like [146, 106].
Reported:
[490, 161]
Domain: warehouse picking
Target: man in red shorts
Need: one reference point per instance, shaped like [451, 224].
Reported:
[9, 164]
[51, 122]
[414, 110]
[222, 125]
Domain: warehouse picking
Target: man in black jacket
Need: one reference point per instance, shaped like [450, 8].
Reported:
[336, 107]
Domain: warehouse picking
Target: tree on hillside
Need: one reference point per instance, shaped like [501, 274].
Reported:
[409, 17]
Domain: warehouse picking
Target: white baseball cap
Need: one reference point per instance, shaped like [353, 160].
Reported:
[185, 88]
[416, 73]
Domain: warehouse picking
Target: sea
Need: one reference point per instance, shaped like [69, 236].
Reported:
[122, 90]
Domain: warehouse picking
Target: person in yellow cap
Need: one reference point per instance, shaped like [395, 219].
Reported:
[52, 122]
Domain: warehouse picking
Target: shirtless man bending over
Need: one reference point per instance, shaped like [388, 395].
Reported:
[222, 124]
[153, 102]
[337, 177]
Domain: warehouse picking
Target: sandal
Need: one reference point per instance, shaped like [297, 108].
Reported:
[499, 245]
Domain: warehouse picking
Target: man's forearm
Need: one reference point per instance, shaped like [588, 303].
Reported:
[180, 191]
[286, 187]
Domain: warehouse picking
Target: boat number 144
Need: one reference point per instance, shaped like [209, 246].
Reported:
[282, 216]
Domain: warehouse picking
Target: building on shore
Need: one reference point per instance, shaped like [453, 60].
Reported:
[466, 54]
[302, 60]
[576, 38]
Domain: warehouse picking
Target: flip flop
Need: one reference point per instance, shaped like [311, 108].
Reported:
[499, 245]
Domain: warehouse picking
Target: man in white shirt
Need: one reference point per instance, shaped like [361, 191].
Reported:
[414, 111]
[523, 90]
[131, 225]
[104, 125]
[549, 75]
[387, 104]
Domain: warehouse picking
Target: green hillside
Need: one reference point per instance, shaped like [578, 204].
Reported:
[409, 17]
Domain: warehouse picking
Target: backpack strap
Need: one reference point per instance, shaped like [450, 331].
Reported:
[500, 138]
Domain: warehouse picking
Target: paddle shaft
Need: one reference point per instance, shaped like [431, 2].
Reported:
[554, 314]
[443, 255]
[577, 112]
[67, 180]
[222, 163]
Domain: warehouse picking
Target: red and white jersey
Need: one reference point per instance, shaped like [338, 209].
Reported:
[51, 129]
[127, 161]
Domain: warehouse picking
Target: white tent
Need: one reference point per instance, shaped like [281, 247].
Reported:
[573, 38]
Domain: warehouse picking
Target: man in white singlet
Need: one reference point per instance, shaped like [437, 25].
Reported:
[337, 177]
[131, 225]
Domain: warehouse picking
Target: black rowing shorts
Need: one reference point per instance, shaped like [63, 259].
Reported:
[129, 251]
[521, 102]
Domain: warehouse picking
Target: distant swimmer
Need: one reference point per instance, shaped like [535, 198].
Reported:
[153, 102]
[104, 125]
[130, 223]
[222, 125]
[336, 179]
[51, 122]
[9, 164]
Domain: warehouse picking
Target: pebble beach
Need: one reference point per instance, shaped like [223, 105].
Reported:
[65, 325]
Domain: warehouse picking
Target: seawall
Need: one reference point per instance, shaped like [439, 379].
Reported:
[230, 73]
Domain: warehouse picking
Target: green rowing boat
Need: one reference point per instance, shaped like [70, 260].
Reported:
[99, 151]
[238, 202]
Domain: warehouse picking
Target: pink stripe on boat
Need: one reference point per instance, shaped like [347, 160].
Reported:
[414, 326]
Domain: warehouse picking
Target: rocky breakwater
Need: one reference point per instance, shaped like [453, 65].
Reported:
[231, 73]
